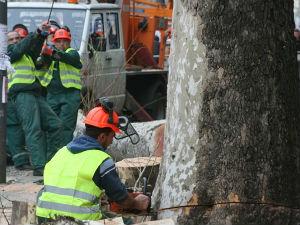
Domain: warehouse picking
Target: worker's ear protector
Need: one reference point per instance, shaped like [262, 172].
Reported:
[67, 29]
[124, 124]
[54, 23]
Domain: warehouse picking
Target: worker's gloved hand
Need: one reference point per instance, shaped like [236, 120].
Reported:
[47, 50]
[141, 202]
[50, 45]
[44, 29]
[55, 56]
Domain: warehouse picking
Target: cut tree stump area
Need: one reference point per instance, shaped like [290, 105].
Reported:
[132, 169]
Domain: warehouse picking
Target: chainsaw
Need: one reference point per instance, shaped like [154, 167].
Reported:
[117, 208]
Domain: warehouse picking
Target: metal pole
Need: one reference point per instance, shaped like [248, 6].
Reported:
[3, 88]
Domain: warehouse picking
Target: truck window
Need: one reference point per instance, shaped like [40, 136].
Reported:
[113, 34]
[33, 17]
[96, 32]
[97, 24]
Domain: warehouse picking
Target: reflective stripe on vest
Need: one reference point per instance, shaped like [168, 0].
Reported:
[73, 193]
[44, 76]
[24, 72]
[68, 208]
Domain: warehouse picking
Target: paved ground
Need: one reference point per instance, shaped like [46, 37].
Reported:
[20, 186]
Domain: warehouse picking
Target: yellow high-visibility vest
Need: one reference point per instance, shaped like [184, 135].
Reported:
[69, 189]
[24, 72]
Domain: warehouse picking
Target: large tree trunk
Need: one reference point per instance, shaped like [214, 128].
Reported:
[231, 152]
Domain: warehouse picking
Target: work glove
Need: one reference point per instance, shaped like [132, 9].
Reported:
[47, 50]
[44, 29]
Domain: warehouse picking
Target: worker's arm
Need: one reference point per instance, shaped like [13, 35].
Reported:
[16, 51]
[72, 57]
[106, 178]
[31, 45]
[36, 46]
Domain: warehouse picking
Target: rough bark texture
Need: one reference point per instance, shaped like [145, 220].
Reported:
[232, 129]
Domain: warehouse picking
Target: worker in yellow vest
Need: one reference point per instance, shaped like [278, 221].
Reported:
[78, 173]
[29, 108]
[15, 136]
[63, 80]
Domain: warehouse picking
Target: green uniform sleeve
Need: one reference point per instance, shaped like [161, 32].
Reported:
[72, 58]
[31, 45]
[36, 46]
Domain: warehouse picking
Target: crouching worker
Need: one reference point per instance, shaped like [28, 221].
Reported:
[76, 176]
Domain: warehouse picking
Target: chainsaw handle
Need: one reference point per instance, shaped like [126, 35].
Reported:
[144, 185]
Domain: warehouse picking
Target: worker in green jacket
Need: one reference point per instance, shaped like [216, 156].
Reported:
[77, 175]
[15, 135]
[41, 126]
[63, 81]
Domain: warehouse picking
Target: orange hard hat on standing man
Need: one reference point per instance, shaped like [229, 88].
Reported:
[61, 34]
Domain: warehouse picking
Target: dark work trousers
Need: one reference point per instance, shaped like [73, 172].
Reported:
[15, 136]
[42, 128]
[66, 104]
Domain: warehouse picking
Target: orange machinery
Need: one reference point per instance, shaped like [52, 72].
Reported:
[139, 25]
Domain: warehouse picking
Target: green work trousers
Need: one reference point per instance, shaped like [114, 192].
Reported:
[42, 128]
[15, 136]
[65, 105]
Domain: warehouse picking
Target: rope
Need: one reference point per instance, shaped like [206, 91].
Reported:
[226, 203]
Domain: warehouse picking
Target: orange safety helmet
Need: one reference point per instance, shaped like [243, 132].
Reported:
[98, 117]
[22, 32]
[61, 34]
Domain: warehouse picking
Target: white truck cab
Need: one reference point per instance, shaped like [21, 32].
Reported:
[96, 32]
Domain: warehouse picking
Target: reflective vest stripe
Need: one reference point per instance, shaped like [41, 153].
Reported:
[21, 76]
[68, 208]
[70, 81]
[24, 68]
[71, 192]
[43, 77]
[68, 72]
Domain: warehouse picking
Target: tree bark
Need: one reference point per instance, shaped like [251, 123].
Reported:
[231, 148]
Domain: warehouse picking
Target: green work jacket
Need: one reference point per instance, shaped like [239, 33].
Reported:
[69, 189]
